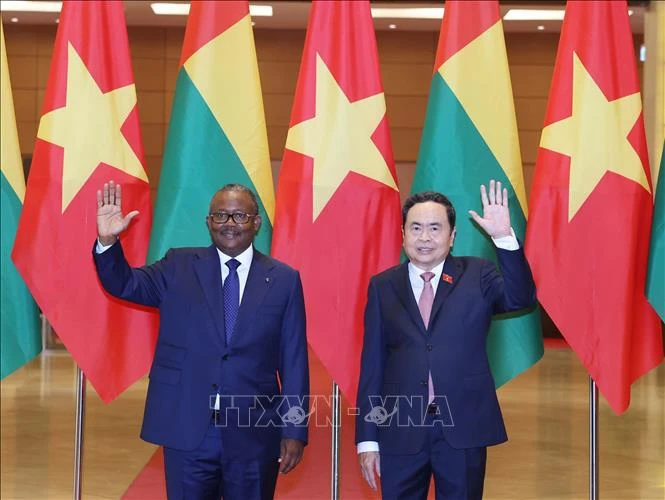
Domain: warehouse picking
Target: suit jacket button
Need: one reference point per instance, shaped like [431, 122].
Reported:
[429, 347]
[225, 357]
[423, 382]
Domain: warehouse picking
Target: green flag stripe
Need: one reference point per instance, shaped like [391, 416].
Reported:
[20, 338]
[454, 159]
[514, 344]
[198, 160]
[656, 266]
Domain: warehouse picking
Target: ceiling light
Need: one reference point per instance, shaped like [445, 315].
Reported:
[534, 15]
[540, 27]
[407, 12]
[538, 15]
[392, 26]
[14, 19]
[170, 9]
[23, 6]
[260, 10]
[182, 9]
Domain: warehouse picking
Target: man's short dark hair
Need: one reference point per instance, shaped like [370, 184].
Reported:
[426, 196]
[239, 188]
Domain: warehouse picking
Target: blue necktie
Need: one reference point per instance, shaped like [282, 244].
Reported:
[231, 290]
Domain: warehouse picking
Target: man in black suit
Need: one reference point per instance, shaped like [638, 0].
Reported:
[232, 333]
[426, 395]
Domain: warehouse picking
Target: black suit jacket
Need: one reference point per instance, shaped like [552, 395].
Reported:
[192, 362]
[399, 352]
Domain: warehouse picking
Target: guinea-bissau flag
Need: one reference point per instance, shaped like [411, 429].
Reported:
[20, 338]
[338, 216]
[469, 137]
[591, 202]
[217, 133]
[88, 134]
[656, 266]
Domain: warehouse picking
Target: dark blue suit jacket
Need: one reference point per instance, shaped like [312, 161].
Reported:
[192, 362]
[398, 353]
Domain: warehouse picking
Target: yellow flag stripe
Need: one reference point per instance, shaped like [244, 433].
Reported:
[11, 164]
[226, 74]
[478, 75]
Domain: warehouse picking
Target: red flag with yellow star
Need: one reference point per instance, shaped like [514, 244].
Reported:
[337, 217]
[591, 202]
[88, 134]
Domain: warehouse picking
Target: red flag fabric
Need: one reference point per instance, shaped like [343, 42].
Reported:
[591, 202]
[88, 134]
[337, 214]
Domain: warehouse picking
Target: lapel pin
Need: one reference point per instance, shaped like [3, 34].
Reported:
[447, 278]
[267, 279]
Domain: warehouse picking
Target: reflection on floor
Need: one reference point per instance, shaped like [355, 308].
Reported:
[545, 411]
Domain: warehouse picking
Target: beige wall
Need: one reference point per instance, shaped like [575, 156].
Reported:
[654, 84]
[406, 68]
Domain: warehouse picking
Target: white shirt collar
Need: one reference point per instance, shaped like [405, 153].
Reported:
[416, 271]
[245, 258]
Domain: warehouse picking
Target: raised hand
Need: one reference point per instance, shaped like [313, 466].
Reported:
[110, 221]
[496, 217]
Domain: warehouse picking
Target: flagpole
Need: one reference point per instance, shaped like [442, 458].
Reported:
[78, 434]
[593, 440]
[336, 424]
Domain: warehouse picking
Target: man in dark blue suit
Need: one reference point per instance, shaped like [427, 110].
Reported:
[229, 378]
[427, 402]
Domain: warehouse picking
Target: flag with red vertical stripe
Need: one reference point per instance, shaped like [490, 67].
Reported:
[592, 203]
[88, 134]
[337, 211]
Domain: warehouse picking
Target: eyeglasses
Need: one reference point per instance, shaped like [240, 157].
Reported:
[223, 217]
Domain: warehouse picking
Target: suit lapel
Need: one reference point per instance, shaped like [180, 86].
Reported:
[258, 282]
[452, 270]
[402, 286]
[209, 273]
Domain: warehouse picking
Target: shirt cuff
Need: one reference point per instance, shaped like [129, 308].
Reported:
[102, 248]
[365, 446]
[507, 242]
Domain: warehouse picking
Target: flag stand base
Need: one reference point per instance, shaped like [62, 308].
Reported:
[593, 440]
[335, 436]
[78, 433]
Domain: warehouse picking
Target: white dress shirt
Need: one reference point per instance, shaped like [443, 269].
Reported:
[245, 259]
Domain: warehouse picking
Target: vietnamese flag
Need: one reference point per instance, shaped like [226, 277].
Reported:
[88, 134]
[591, 202]
[337, 217]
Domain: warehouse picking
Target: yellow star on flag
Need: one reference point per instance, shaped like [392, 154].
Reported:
[339, 138]
[88, 128]
[595, 137]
